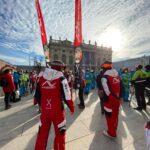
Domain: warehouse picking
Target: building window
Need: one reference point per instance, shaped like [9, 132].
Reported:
[64, 58]
[55, 57]
[70, 60]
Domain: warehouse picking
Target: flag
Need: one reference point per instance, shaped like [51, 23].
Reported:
[78, 24]
[43, 32]
[78, 43]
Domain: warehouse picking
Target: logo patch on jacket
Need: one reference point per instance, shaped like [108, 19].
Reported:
[48, 85]
[115, 80]
[48, 105]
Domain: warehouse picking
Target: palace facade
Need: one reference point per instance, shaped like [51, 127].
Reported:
[93, 55]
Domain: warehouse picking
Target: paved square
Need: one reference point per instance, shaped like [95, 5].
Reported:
[19, 126]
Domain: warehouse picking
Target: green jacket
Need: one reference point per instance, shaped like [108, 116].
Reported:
[23, 79]
[139, 74]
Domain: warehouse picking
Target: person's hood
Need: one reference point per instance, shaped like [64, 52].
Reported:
[51, 74]
[111, 72]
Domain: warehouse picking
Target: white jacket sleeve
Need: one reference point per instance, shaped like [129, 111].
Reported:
[68, 99]
[66, 89]
[105, 86]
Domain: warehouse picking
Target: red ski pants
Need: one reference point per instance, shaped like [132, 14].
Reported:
[111, 113]
[59, 123]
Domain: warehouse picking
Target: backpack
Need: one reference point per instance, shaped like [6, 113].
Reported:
[3, 82]
[98, 81]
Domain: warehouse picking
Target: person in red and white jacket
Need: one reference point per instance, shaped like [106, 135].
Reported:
[9, 87]
[52, 90]
[111, 86]
[33, 78]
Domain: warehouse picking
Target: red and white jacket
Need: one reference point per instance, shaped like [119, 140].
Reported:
[52, 88]
[111, 82]
[111, 86]
[10, 86]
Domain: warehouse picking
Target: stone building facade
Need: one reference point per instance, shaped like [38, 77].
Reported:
[93, 55]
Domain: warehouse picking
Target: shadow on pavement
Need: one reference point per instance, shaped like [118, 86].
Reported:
[16, 121]
[130, 131]
[99, 141]
[70, 122]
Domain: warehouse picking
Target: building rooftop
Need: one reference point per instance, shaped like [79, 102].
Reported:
[84, 45]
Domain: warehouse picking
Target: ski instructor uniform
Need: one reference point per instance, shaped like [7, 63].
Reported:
[52, 90]
[111, 85]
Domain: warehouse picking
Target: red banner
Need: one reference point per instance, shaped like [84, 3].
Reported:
[78, 45]
[78, 24]
[43, 32]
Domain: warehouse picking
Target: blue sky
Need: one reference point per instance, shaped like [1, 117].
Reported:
[122, 24]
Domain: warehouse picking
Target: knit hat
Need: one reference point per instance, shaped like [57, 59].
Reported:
[106, 65]
[57, 64]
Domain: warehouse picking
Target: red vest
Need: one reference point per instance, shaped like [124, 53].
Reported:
[114, 85]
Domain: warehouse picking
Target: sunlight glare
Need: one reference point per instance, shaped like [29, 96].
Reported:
[112, 38]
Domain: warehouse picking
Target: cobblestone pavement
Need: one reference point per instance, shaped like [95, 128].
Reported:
[19, 126]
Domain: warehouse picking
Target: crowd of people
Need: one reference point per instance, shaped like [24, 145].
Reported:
[16, 83]
[53, 87]
[139, 81]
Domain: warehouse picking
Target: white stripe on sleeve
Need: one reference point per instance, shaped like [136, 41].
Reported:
[66, 89]
[105, 86]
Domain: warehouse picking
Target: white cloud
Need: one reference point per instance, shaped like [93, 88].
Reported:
[13, 60]
[19, 28]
